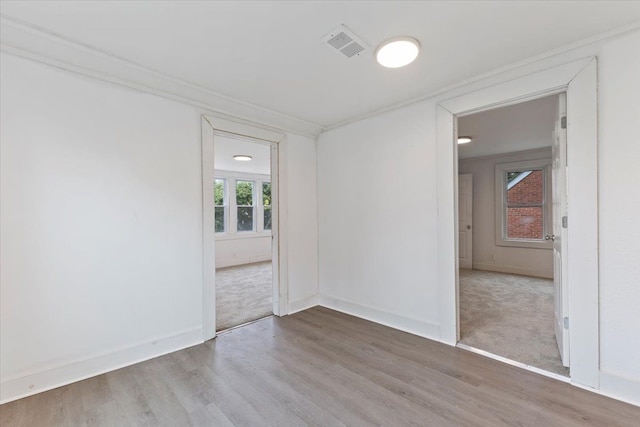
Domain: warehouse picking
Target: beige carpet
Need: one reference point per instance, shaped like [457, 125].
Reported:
[243, 294]
[511, 316]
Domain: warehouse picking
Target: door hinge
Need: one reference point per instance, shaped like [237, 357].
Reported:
[565, 222]
[563, 122]
[566, 322]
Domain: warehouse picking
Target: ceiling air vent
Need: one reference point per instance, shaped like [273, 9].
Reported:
[343, 41]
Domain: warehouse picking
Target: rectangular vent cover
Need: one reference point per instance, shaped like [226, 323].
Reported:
[343, 41]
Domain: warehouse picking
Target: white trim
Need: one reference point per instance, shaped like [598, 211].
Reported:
[514, 363]
[243, 235]
[619, 387]
[510, 270]
[208, 233]
[542, 152]
[50, 377]
[497, 75]
[578, 78]
[500, 195]
[28, 41]
[304, 303]
[279, 262]
[219, 173]
[413, 326]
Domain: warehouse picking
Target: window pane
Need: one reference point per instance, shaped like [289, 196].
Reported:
[218, 192]
[267, 217]
[525, 222]
[266, 193]
[219, 219]
[525, 188]
[244, 193]
[245, 218]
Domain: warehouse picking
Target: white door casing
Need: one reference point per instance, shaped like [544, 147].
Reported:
[559, 233]
[210, 126]
[579, 80]
[465, 220]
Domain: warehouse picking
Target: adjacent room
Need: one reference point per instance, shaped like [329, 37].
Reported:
[243, 214]
[248, 213]
[506, 189]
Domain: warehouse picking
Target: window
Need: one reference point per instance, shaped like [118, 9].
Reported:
[523, 205]
[266, 202]
[220, 205]
[244, 203]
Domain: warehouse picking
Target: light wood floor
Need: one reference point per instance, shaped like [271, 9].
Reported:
[319, 367]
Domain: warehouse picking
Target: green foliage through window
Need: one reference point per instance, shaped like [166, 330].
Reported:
[218, 201]
[244, 200]
[266, 201]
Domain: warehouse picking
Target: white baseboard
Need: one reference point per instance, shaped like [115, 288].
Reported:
[619, 388]
[47, 378]
[232, 262]
[511, 270]
[304, 303]
[406, 324]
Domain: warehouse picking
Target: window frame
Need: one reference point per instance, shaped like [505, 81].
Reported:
[254, 227]
[262, 183]
[224, 206]
[231, 232]
[500, 212]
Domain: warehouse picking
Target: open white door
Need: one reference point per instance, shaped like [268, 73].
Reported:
[465, 220]
[559, 236]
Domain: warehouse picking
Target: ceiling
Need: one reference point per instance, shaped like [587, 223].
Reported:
[270, 53]
[520, 127]
[224, 148]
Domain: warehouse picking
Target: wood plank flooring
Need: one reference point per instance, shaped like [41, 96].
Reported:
[322, 368]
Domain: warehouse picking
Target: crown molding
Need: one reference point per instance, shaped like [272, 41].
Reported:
[510, 71]
[38, 44]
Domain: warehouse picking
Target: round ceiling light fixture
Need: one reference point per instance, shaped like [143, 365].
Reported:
[464, 139]
[398, 52]
[242, 157]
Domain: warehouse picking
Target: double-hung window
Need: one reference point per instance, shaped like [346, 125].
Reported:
[523, 203]
[245, 205]
[220, 202]
[266, 205]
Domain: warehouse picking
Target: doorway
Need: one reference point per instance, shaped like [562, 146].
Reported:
[214, 128]
[243, 203]
[579, 80]
[511, 177]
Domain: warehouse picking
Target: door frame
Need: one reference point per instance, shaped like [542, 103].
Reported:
[211, 126]
[579, 80]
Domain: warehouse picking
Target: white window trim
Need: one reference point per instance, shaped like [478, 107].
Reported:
[500, 203]
[225, 204]
[231, 228]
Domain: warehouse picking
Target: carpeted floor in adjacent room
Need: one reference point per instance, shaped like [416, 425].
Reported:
[243, 294]
[511, 316]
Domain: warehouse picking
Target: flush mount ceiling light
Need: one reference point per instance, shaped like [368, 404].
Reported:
[242, 157]
[398, 52]
[464, 139]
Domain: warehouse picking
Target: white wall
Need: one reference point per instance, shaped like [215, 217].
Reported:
[486, 254]
[619, 202]
[378, 213]
[301, 215]
[242, 250]
[378, 219]
[101, 215]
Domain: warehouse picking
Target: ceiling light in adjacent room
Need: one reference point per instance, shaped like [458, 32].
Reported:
[242, 157]
[398, 52]
[464, 139]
